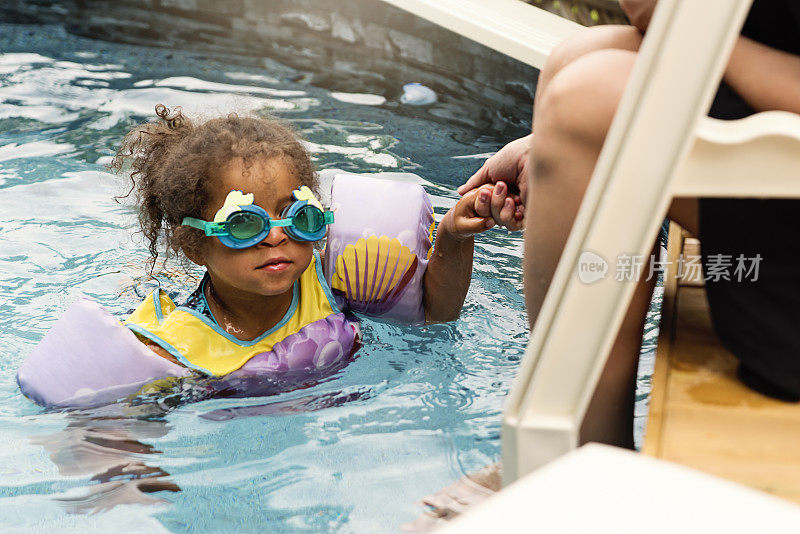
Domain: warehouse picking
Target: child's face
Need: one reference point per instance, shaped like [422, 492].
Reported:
[270, 267]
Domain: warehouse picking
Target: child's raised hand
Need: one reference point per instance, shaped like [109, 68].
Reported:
[463, 219]
[448, 274]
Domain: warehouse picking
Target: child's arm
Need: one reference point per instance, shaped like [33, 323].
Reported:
[450, 269]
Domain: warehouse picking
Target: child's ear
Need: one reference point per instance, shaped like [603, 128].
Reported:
[188, 245]
[194, 254]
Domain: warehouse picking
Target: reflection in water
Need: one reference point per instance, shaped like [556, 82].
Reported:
[109, 449]
[109, 443]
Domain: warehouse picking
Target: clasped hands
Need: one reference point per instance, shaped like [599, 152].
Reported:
[502, 185]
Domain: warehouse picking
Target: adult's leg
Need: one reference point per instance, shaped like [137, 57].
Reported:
[591, 39]
[572, 120]
[609, 37]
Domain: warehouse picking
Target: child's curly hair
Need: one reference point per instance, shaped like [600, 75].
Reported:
[174, 161]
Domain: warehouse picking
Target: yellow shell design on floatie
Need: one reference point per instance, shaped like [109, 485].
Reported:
[373, 269]
[430, 235]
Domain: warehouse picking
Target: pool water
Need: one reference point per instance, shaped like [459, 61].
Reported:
[417, 409]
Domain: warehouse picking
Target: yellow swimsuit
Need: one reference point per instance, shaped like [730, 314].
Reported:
[313, 333]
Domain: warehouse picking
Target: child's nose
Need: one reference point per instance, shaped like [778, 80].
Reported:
[275, 237]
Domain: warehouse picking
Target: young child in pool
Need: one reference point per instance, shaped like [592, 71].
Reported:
[189, 176]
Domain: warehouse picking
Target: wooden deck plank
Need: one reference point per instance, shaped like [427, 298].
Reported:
[703, 417]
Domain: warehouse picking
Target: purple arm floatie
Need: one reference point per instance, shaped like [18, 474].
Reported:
[379, 247]
[89, 359]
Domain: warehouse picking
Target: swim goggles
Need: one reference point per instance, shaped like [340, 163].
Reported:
[242, 224]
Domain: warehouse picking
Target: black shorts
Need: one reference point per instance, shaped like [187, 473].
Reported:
[755, 309]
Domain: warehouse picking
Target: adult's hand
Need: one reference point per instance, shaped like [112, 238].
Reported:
[506, 169]
[639, 12]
